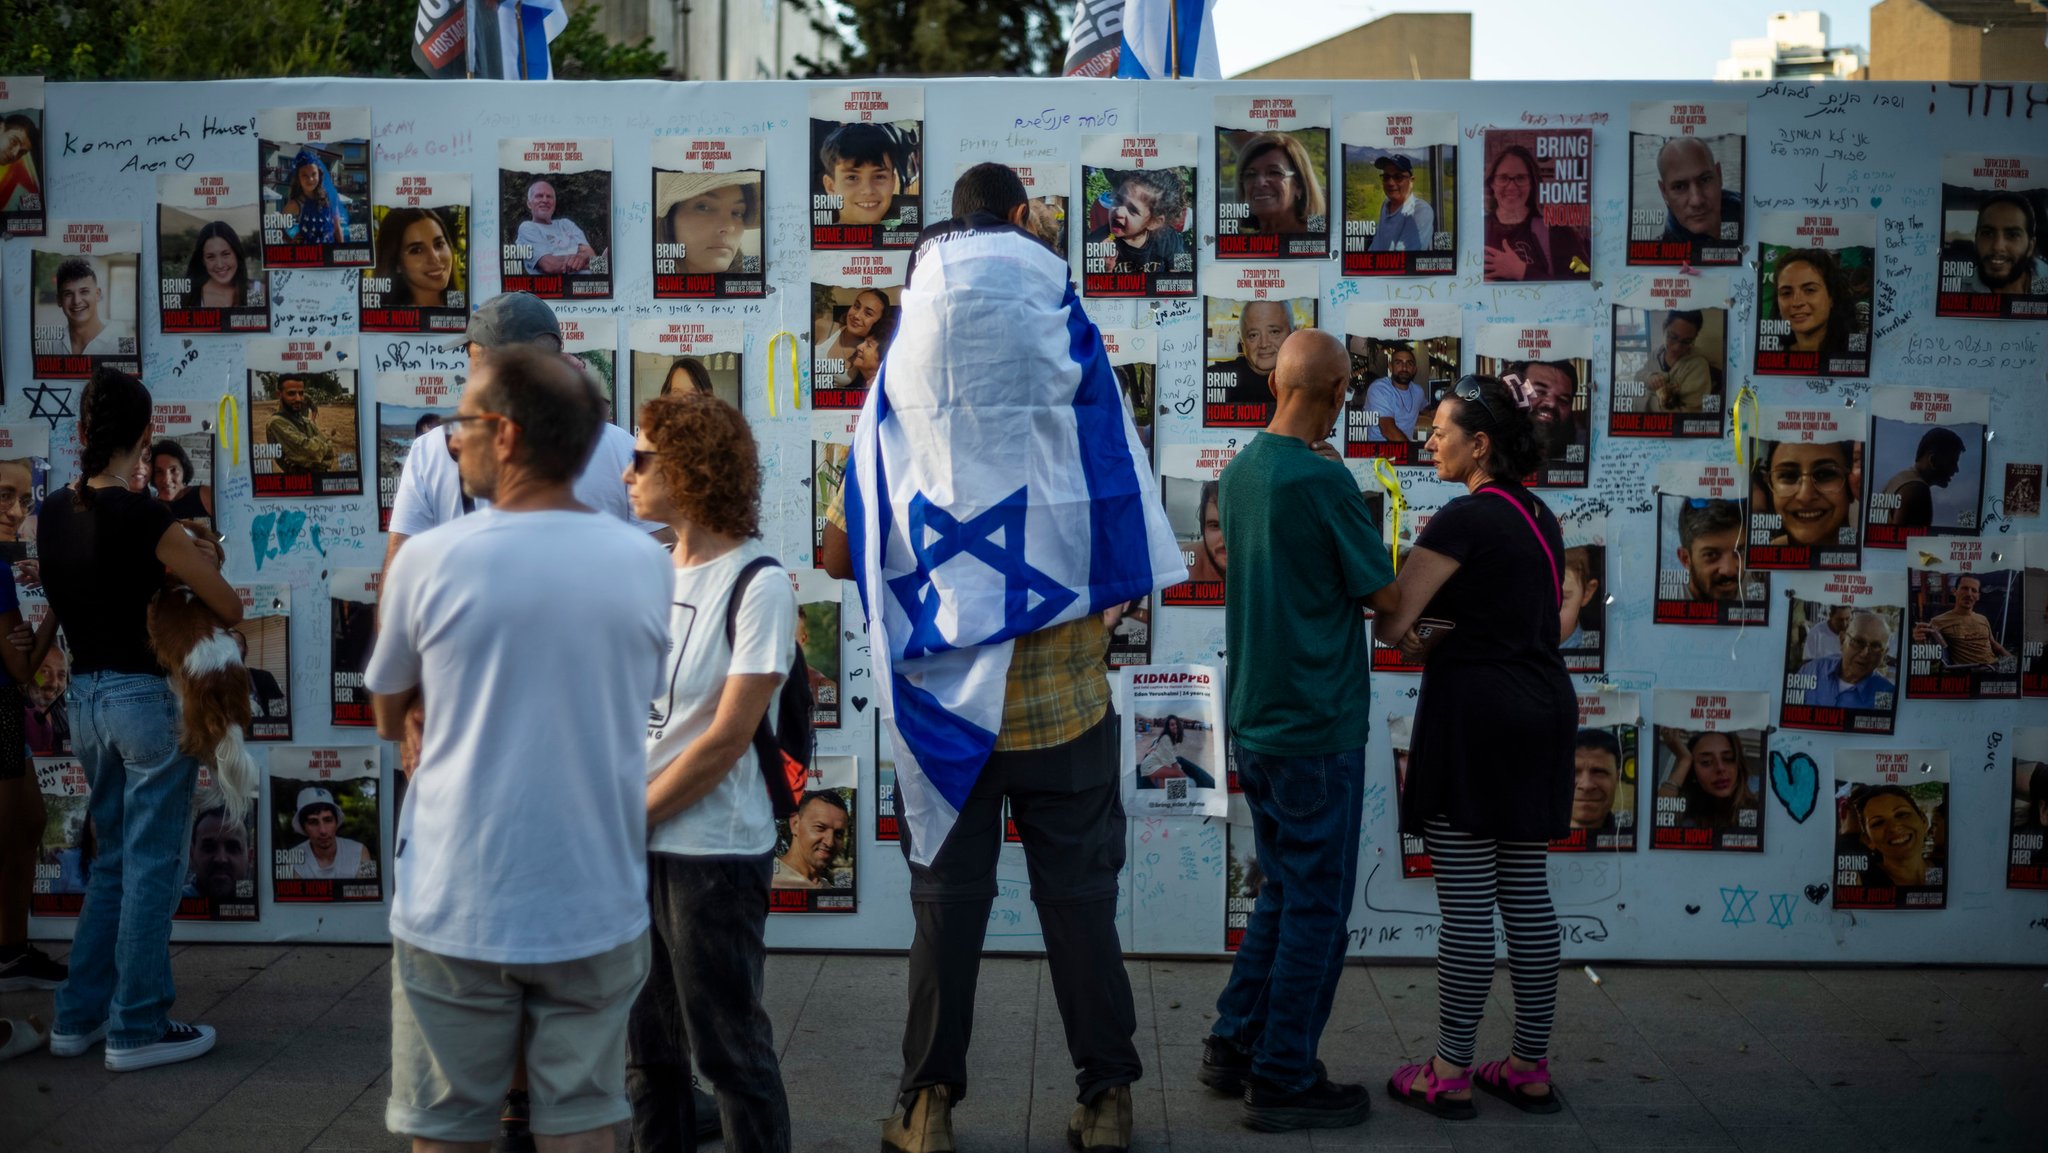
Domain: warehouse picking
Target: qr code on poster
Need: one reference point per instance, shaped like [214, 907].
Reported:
[1177, 789]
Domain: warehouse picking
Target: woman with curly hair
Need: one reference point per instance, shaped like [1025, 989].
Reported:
[1277, 182]
[1490, 764]
[711, 827]
[219, 270]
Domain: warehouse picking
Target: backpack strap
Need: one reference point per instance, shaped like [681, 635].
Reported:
[739, 591]
[767, 750]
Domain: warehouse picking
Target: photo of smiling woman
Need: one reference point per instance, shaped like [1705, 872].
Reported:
[1806, 490]
[210, 253]
[1891, 828]
[1815, 280]
[1711, 757]
[1270, 199]
[420, 280]
[707, 218]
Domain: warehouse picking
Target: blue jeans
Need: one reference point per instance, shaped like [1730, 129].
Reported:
[1305, 813]
[124, 730]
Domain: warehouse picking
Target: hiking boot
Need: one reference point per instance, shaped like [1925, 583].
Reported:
[1323, 1105]
[1105, 1125]
[31, 968]
[925, 1127]
[707, 1112]
[180, 1042]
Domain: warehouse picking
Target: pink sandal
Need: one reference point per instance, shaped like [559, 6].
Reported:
[1505, 1081]
[1407, 1079]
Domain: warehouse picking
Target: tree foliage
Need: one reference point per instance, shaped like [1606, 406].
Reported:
[210, 40]
[939, 37]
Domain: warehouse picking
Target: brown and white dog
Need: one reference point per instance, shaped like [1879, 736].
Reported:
[204, 665]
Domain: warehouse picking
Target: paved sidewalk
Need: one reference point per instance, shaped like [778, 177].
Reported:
[1657, 1058]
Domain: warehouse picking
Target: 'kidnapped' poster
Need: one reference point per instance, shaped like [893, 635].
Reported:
[1172, 740]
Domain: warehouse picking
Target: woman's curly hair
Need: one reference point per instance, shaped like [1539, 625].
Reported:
[708, 460]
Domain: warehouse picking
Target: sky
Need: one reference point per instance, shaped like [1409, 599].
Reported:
[1525, 40]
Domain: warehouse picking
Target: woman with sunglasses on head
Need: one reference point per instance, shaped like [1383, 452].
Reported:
[1490, 761]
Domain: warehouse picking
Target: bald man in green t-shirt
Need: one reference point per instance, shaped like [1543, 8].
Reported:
[1305, 559]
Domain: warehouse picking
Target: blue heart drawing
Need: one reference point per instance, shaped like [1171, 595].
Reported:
[1797, 783]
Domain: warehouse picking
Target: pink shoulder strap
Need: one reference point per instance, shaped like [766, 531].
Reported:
[1556, 583]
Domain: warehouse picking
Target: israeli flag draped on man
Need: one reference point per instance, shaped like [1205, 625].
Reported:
[996, 487]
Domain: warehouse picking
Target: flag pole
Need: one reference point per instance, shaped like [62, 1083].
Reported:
[1173, 36]
[469, 49]
[519, 19]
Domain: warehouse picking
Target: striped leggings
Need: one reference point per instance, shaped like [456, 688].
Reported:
[1472, 873]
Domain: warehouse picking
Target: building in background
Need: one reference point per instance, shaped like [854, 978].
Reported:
[1958, 40]
[1400, 46]
[719, 39]
[1794, 46]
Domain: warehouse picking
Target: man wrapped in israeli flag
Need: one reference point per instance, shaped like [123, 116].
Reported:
[997, 502]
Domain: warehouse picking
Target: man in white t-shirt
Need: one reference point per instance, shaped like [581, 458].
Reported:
[519, 908]
[325, 854]
[429, 488]
[711, 825]
[555, 244]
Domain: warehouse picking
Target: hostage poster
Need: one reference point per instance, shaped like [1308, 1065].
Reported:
[1670, 358]
[220, 862]
[1711, 760]
[555, 217]
[85, 299]
[302, 416]
[1843, 638]
[324, 833]
[1139, 196]
[265, 640]
[1249, 313]
[1927, 463]
[1891, 843]
[1273, 192]
[1400, 193]
[813, 870]
[1172, 719]
[314, 164]
[421, 279]
[209, 253]
[1605, 757]
[1548, 369]
[708, 212]
[1685, 169]
[1404, 358]
[867, 167]
[409, 406]
[352, 609]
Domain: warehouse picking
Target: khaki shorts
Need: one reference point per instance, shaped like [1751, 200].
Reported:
[457, 1027]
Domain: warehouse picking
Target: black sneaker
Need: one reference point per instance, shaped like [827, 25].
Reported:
[180, 1042]
[514, 1134]
[31, 968]
[1225, 1065]
[1323, 1105]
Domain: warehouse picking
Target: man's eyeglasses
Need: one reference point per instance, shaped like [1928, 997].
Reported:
[459, 420]
[1467, 389]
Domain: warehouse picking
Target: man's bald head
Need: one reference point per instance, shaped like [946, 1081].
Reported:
[1689, 179]
[1311, 361]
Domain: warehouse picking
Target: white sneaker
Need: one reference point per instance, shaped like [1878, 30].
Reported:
[75, 1044]
[181, 1042]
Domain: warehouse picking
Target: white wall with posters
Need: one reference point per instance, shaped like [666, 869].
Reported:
[1853, 169]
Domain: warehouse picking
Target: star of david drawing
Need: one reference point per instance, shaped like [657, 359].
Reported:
[1737, 906]
[995, 538]
[52, 404]
[1781, 910]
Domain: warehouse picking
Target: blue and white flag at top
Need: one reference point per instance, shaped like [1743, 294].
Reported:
[508, 39]
[996, 487]
[1143, 40]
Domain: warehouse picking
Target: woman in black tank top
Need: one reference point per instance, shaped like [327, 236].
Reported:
[104, 551]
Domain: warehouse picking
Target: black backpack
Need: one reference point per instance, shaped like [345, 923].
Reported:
[790, 743]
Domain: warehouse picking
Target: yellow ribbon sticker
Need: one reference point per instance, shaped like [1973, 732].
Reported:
[796, 383]
[227, 426]
[1748, 395]
[1397, 503]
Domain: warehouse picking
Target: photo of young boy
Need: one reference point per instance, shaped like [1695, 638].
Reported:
[866, 162]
